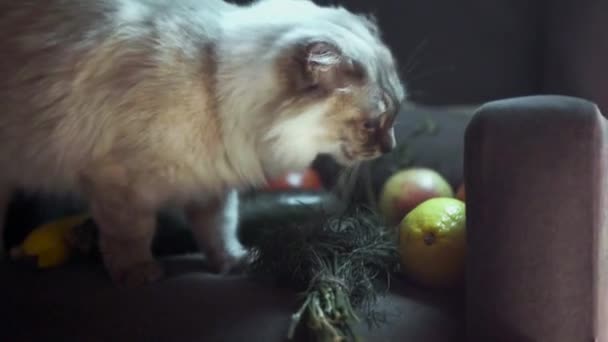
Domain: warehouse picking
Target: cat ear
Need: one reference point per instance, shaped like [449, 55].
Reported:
[322, 57]
[325, 66]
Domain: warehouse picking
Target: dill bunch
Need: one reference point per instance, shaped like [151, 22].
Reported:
[339, 262]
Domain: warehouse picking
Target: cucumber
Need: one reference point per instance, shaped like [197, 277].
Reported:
[266, 210]
[259, 211]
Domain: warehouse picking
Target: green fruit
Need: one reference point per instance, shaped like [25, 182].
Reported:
[432, 243]
[406, 189]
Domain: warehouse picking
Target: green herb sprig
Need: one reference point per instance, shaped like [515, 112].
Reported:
[340, 264]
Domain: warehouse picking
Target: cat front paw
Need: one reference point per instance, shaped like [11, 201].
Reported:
[137, 275]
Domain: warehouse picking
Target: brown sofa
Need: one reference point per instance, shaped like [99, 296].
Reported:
[536, 176]
[533, 166]
[78, 303]
[536, 267]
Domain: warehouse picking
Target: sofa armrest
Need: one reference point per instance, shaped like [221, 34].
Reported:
[535, 170]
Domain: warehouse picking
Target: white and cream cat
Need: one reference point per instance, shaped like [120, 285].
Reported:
[138, 104]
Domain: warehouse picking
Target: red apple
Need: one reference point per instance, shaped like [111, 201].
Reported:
[406, 189]
[461, 193]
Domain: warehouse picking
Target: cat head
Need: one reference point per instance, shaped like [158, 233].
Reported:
[344, 106]
[332, 85]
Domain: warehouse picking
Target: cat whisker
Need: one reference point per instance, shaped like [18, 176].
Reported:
[416, 94]
[412, 62]
[341, 178]
[431, 73]
[347, 182]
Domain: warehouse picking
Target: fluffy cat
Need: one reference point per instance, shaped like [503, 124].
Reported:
[138, 104]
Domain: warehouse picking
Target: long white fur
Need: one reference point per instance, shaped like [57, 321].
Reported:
[246, 40]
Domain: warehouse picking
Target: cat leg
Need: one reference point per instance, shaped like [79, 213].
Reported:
[126, 219]
[214, 225]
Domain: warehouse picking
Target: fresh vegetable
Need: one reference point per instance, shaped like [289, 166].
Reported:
[307, 179]
[339, 262]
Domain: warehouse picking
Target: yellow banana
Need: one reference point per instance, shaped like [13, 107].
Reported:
[47, 243]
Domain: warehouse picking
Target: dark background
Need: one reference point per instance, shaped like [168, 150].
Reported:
[474, 51]
[461, 52]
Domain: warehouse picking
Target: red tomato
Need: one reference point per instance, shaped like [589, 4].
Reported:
[306, 180]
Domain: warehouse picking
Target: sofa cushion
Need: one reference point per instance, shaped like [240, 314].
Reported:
[78, 303]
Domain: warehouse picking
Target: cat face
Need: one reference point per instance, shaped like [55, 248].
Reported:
[342, 95]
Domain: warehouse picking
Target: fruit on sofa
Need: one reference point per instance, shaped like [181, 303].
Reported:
[307, 179]
[461, 193]
[432, 243]
[47, 244]
[406, 189]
